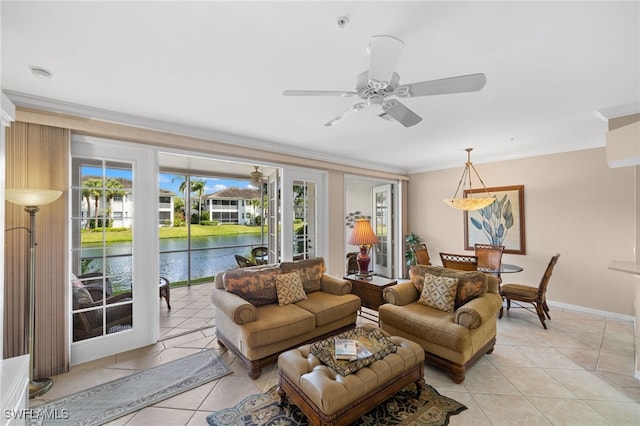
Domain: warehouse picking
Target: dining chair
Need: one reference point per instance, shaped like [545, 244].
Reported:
[537, 296]
[489, 258]
[462, 262]
[421, 253]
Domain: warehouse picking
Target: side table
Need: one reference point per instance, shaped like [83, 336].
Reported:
[370, 292]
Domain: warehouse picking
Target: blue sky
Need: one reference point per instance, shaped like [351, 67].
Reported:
[168, 182]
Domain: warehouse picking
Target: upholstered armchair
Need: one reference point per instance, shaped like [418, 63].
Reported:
[451, 314]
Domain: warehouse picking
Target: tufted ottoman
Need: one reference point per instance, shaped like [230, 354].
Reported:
[327, 398]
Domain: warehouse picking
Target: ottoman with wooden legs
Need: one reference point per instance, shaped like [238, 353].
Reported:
[329, 398]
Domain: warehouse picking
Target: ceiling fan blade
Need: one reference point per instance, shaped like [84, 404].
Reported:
[385, 52]
[401, 113]
[318, 93]
[348, 113]
[463, 83]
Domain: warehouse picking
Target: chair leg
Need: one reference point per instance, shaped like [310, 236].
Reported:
[546, 308]
[540, 311]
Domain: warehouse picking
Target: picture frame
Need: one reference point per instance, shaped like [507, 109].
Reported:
[500, 223]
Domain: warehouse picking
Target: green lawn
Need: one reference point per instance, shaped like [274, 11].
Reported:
[121, 235]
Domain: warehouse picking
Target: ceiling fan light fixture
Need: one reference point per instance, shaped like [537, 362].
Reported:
[469, 203]
[256, 177]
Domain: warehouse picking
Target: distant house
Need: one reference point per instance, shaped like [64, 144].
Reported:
[233, 205]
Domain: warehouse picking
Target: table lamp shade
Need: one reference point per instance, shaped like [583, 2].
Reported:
[362, 233]
[32, 197]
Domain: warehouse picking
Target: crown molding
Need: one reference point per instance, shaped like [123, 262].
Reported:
[619, 111]
[60, 107]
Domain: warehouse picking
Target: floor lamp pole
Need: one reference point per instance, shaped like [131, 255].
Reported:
[37, 387]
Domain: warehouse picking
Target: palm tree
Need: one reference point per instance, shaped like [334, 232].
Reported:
[113, 189]
[92, 189]
[198, 186]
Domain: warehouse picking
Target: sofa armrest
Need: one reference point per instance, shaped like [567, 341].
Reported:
[478, 311]
[234, 306]
[401, 294]
[333, 285]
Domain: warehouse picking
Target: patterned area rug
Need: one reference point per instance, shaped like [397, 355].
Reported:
[431, 409]
[119, 397]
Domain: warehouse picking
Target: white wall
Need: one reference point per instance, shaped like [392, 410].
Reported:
[574, 204]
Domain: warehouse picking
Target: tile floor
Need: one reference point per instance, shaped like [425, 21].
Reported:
[578, 372]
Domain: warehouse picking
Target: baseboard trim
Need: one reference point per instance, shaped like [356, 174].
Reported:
[584, 309]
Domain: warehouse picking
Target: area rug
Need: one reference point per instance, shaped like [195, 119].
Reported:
[431, 409]
[119, 397]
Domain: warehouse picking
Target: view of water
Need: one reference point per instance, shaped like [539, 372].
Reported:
[174, 266]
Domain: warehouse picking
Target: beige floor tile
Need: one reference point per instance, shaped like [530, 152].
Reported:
[587, 385]
[587, 358]
[484, 377]
[189, 400]
[616, 363]
[510, 410]
[550, 358]
[536, 382]
[199, 418]
[564, 412]
[228, 392]
[510, 356]
[618, 413]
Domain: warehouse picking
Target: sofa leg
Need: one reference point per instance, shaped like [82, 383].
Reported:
[457, 377]
[255, 371]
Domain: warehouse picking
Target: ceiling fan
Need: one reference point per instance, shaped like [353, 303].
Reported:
[255, 177]
[376, 86]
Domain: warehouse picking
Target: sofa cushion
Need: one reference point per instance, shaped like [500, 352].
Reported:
[311, 271]
[289, 288]
[255, 284]
[275, 323]
[81, 298]
[439, 292]
[328, 308]
[471, 284]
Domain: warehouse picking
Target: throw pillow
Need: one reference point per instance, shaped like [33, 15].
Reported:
[311, 271]
[439, 292]
[470, 286]
[81, 298]
[289, 288]
[256, 285]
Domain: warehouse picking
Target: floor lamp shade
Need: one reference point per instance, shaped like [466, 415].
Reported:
[363, 237]
[32, 200]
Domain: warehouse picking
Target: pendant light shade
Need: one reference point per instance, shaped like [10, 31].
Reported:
[469, 203]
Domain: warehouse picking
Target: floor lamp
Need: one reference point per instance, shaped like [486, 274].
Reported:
[32, 200]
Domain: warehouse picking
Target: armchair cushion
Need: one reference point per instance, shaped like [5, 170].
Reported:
[289, 288]
[439, 292]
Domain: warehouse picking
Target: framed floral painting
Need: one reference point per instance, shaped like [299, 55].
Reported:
[500, 223]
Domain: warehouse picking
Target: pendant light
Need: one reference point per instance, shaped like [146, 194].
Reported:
[469, 203]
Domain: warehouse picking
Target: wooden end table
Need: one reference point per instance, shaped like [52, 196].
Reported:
[370, 290]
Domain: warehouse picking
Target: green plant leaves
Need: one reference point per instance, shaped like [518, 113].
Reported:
[496, 220]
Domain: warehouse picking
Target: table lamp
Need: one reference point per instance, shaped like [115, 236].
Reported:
[363, 237]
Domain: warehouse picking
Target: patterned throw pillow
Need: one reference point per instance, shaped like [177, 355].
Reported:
[289, 288]
[439, 292]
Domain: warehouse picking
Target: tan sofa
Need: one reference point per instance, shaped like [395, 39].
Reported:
[256, 328]
[452, 339]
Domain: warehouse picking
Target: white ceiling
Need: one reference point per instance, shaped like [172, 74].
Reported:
[218, 69]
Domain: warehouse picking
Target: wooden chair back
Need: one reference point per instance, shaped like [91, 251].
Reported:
[421, 253]
[462, 262]
[489, 258]
[544, 282]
